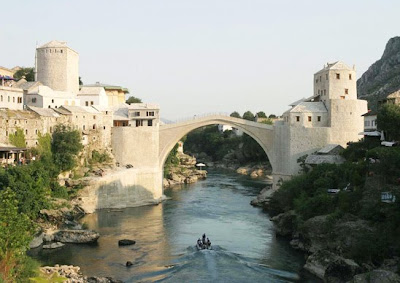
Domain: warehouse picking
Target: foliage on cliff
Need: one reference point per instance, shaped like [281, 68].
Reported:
[383, 77]
[370, 170]
[217, 145]
[24, 191]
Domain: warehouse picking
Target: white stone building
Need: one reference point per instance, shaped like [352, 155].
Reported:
[93, 96]
[45, 97]
[11, 98]
[57, 66]
[137, 115]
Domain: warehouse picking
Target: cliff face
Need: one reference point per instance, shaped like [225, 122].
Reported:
[383, 77]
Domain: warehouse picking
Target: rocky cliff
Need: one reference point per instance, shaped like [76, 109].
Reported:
[383, 77]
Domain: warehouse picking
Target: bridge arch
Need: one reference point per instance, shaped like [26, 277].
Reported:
[170, 134]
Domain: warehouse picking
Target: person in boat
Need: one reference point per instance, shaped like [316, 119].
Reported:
[208, 243]
[204, 238]
[199, 243]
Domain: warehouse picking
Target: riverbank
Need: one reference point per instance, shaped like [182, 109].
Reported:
[184, 171]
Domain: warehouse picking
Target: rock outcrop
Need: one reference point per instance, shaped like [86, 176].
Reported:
[76, 236]
[376, 276]
[383, 77]
[71, 274]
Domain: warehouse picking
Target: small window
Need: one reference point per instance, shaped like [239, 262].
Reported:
[61, 51]
[83, 127]
[326, 76]
[350, 77]
[7, 133]
[319, 118]
[338, 76]
[94, 126]
[86, 103]
[324, 91]
[342, 97]
[318, 92]
[309, 118]
[297, 118]
[91, 102]
[346, 91]
[52, 101]
[150, 123]
[26, 132]
[8, 99]
[320, 78]
[104, 127]
[94, 117]
[137, 114]
[106, 112]
[34, 100]
[1, 98]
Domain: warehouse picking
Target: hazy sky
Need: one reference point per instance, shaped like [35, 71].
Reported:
[194, 57]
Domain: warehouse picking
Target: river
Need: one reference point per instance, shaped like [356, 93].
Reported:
[245, 248]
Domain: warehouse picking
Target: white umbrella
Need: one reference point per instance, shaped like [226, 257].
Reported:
[200, 165]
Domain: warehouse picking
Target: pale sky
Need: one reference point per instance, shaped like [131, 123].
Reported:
[196, 57]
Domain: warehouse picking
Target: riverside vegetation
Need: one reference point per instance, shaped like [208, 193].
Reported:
[354, 223]
[27, 190]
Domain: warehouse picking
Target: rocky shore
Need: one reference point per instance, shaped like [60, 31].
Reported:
[328, 246]
[184, 173]
[70, 274]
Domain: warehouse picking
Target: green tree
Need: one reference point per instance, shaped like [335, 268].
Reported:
[18, 138]
[235, 114]
[28, 73]
[248, 116]
[133, 99]
[80, 81]
[389, 120]
[261, 114]
[15, 234]
[44, 144]
[272, 116]
[65, 146]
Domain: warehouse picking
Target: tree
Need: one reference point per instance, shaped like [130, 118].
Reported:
[388, 120]
[15, 235]
[18, 139]
[80, 81]
[65, 146]
[261, 114]
[28, 73]
[248, 116]
[235, 114]
[133, 99]
[272, 116]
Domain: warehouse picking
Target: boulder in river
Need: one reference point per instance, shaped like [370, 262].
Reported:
[36, 241]
[126, 242]
[53, 245]
[76, 236]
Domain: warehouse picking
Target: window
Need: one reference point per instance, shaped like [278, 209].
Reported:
[26, 132]
[338, 76]
[91, 102]
[150, 123]
[324, 91]
[1, 98]
[36, 132]
[349, 76]
[34, 100]
[297, 118]
[8, 99]
[94, 117]
[86, 103]
[139, 123]
[94, 126]
[51, 129]
[7, 133]
[104, 127]
[320, 78]
[309, 118]
[342, 97]
[319, 118]
[137, 114]
[318, 92]
[106, 112]
[61, 51]
[52, 101]
[83, 127]
[19, 99]
[326, 76]
[346, 91]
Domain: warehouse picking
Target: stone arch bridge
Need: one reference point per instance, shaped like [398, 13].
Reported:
[170, 134]
[146, 148]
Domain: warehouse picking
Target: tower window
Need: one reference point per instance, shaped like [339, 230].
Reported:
[150, 123]
[61, 51]
[309, 118]
[297, 118]
[86, 103]
[346, 91]
[52, 101]
[326, 76]
[338, 76]
[349, 76]
[319, 118]
[324, 91]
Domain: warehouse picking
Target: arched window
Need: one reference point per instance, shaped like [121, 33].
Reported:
[94, 126]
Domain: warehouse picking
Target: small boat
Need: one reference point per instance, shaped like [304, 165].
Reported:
[203, 244]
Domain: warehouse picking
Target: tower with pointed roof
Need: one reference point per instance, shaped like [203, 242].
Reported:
[57, 66]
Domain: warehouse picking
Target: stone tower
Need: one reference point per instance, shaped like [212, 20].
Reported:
[57, 66]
